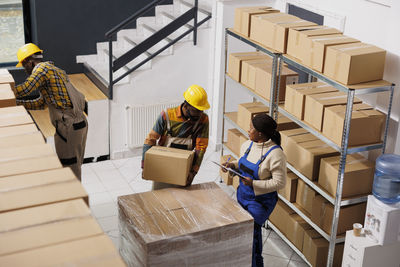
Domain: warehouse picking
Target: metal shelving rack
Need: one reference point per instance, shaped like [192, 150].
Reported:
[344, 149]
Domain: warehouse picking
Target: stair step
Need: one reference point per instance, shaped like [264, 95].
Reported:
[152, 30]
[133, 44]
[171, 17]
[86, 87]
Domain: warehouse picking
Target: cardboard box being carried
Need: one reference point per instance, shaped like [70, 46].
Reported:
[315, 106]
[236, 60]
[366, 125]
[6, 78]
[271, 30]
[354, 63]
[295, 97]
[297, 37]
[315, 249]
[295, 230]
[7, 97]
[234, 142]
[46, 225]
[322, 215]
[167, 165]
[314, 49]
[243, 16]
[39, 188]
[91, 251]
[10, 116]
[226, 177]
[185, 226]
[358, 175]
[290, 189]
[279, 216]
[305, 197]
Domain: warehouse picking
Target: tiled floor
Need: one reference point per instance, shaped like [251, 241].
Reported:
[106, 180]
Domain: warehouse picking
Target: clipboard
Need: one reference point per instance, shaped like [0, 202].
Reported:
[228, 169]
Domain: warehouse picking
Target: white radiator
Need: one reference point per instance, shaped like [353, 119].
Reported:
[140, 120]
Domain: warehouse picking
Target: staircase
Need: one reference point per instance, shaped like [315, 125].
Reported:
[162, 77]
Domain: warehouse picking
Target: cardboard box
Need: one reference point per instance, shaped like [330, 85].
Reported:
[7, 97]
[236, 59]
[17, 130]
[228, 179]
[290, 137]
[358, 175]
[290, 189]
[7, 78]
[295, 230]
[305, 196]
[366, 125]
[322, 215]
[243, 16]
[354, 63]
[249, 71]
[185, 226]
[382, 221]
[21, 140]
[271, 30]
[315, 249]
[315, 106]
[39, 188]
[235, 182]
[167, 165]
[297, 36]
[311, 153]
[16, 167]
[10, 116]
[313, 49]
[295, 97]
[26, 152]
[246, 111]
[46, 225]
[279, 216]
[92, 251]
[234, 140]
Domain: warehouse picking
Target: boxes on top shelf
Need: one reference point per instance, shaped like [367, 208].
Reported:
[354, 63]
[358, 175]
[7, 97]
[290, 137]
[236, 59]
[290, 189]
[366, 125]
[246, 111]
[295, 97]
[242, 23]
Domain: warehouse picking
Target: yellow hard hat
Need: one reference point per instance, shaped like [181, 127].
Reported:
[196, 96]
[26, 51]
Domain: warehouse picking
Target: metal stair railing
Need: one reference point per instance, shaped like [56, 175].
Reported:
[143, 47]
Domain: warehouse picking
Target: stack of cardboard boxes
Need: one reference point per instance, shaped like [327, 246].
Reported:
[44, 211]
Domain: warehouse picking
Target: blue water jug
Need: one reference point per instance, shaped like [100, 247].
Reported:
[387, 178]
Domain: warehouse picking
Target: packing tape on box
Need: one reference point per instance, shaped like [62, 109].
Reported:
[333, 97]
[36, 185]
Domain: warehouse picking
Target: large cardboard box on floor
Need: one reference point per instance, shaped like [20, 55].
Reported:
[322, 215]
[91, 252]
[39, 188]
[297, 37]
[271, 30]
[226, 177]
[243, 16]
[290, 189]
[295, 97]
[6, 78]
[313, 49]
[305, 196]
[366, 125]
[295, 230]
[279, 216]
[21, 140]
[167, 165]
[358, 175]
[315, 249]
[236, 60]
[198, 225]
[314, 109]
[10, 116]
[7, 97]
[17, 130]
[234, 140]
[46, 225]
[354, 63]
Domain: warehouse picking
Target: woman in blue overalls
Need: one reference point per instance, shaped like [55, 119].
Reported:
[263, 164]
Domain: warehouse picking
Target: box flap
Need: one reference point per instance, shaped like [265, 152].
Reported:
[354, 49]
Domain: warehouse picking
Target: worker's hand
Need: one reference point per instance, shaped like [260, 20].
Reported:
[190, 178]
[228, 165]
[247, 181]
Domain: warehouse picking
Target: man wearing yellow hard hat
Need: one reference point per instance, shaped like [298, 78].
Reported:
[65, 104]
[184, 127]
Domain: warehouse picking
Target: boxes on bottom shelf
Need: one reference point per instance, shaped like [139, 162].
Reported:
[167, 165]
[39, 188]
[196, 225]
[315, 249]
[295, 97]
[226, 177]
[305, 197]
[243, 16]
[354, 63]
[366, 125]
[358, 175]
[382, 221]
[236, 60]
[322, 215]
[360, 251]
[92, 251]
[279, 216]
[235, 140]
[295, 230]
[46, 225]
[290, 189]
[7, 97]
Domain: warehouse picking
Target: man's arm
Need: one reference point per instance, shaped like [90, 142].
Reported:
[201, 145]
[154, 134]
[33, 82]
[37, 103]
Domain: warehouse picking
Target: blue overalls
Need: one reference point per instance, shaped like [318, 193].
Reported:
[260, 207]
